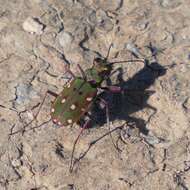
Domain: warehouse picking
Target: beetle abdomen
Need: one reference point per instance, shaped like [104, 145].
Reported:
[73, 102]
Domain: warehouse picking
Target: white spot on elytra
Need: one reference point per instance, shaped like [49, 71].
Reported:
[68, 85]
[63, 100]
[69, 121]
[89, 99]
[82, 109]
[55, 120]
[59, 123]
[73, 107]
[52, 110]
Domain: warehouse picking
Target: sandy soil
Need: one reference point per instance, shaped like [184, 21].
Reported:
[38, 38]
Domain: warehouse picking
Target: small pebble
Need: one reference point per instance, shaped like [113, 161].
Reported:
[65, 39]
[151, 139]
[186, 104]
[142, 25]
[24, 93]
[33, 26]
[16, 163]
[133, 49]
[104, 23]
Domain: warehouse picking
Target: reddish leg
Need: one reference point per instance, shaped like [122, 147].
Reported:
[72, 163]
[82, 72]
[103, 104]
[95, 141]
[85, 126]
[113, 89]
[35, 117]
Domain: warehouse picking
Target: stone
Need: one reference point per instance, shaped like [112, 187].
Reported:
[65, 39]
[33, 26]
[108, 5]
[186, 104]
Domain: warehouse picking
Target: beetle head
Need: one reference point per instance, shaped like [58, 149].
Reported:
[99, 71]
[102, 67]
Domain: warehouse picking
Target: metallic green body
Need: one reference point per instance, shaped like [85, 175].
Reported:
[92, 74]
[73, 102]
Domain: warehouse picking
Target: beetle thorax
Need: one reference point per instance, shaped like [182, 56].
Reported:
[93, 75]
[99, 71]
[97, 76]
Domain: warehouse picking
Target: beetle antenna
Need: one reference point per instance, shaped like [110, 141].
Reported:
[108, 52]
[82, 72]
[128, 61]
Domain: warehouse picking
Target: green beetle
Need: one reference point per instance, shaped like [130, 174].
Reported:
[77, 96]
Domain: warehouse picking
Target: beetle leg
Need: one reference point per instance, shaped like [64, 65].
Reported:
[90, 116]
[102, 103]
[82, 72]
[36, 115]
[85, 126]
[113, 89]
[108, 53]
[69, 71]
[105, 104]
[95, 141]
[52, 93]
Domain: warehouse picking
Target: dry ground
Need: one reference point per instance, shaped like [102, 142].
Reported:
[39, 37]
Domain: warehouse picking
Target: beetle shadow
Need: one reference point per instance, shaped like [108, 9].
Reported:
[133, 98]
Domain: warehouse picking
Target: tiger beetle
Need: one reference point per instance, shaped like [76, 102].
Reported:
[78, 95]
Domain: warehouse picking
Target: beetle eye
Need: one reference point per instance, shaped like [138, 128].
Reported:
[98, 59]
